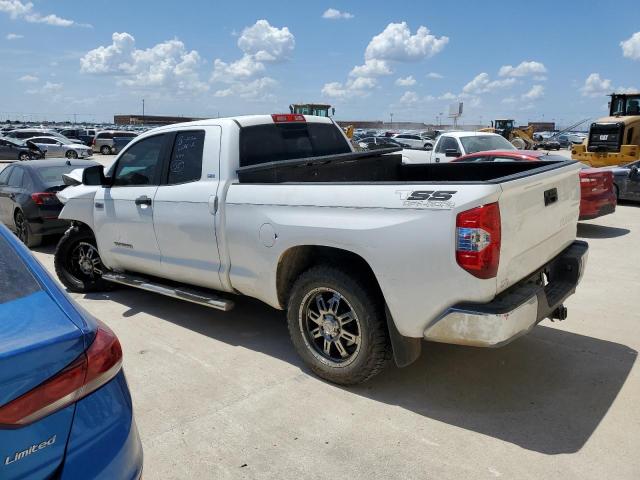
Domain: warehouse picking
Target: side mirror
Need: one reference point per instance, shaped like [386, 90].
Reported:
[94, 176]
[452, 152]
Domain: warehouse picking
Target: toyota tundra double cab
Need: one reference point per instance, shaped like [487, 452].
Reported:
[367, 256]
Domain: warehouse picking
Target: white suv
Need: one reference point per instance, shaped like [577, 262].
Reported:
[413, 140]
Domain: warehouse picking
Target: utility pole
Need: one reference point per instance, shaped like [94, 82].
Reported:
[391, 115]
[143, 111]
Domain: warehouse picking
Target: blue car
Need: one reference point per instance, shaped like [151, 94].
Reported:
[65, 407]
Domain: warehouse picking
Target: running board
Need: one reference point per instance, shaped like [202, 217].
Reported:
[201, 297]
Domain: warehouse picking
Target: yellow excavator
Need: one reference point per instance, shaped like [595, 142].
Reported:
[521, 138]
[321, 110]
[613, 140]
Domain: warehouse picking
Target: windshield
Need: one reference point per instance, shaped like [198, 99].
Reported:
[481, 143]
[626, 106]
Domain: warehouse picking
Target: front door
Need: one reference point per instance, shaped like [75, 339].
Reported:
[185, 208]
[5, 194]
[123, 212]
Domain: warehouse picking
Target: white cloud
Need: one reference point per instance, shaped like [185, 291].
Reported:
[595, 86]
[627, 90]
[371, 68]
[166, 64]
[482, 83]
[246, 67]
[395, 42]
[434, 76]
[406, 81]
[409, 98]
[48, 87]
[255, 90]
[261, 44]
[28, 79]
[333, 14]
[508, 100]
[354, 87]
[267, 43]
[18, 10]
[51, 87]
[536, 92]
[13, 36]
[448, 96]
[523, 70]
[631, 47]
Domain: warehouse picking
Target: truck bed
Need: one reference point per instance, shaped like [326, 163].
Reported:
[385, 165]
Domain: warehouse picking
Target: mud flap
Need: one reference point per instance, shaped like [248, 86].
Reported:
[406, 350]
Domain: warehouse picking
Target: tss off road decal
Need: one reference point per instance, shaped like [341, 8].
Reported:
[427, 198]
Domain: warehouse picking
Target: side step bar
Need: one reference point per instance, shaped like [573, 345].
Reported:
[201, 297]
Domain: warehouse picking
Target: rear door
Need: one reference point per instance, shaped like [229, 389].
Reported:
[185, 208]
[539, 214]
[6, 152]
[37, 340]
[123, 212]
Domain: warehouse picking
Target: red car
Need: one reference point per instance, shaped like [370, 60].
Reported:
[597, 193]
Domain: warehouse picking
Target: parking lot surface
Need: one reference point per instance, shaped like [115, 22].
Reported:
[223, 395]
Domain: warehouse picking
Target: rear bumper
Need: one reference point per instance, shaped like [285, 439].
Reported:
[515, 311]
[593, 207]
[104, 441]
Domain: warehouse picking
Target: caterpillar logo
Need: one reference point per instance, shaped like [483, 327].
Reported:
[427, 198]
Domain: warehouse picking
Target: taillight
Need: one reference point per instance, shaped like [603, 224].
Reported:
[93, 141]
[95, 367]
[44, 198]
[287, 117]
[478, 240]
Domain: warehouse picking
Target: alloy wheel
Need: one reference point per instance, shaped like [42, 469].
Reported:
[330, 326]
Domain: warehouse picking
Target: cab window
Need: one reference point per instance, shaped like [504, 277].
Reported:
[185, 164]
[138, 165]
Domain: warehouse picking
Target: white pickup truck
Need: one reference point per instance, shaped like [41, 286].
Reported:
[368, 257]
[451, 145]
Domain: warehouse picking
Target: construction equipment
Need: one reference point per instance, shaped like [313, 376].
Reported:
[318, 109]
[613, 140]
[521, 138]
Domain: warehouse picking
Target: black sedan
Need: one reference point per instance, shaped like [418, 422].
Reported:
[14, 149]
[626, 179]
[28, 202]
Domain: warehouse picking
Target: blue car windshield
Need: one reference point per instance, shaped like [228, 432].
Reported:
[16, 280]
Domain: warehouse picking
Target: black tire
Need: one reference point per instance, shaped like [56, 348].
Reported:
[23, 230]
[69, 271]
[72, 154]
[366, 357]
[105, 150]
[24, 157]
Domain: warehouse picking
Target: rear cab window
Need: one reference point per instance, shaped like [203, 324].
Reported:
[185, 164]
[287, 141]
[16, 281]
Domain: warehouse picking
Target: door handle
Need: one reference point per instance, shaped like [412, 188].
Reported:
[143, 200]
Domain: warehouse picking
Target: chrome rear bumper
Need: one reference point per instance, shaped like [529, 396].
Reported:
[517, 310]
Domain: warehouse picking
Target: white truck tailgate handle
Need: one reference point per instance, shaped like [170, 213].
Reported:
[550, 196]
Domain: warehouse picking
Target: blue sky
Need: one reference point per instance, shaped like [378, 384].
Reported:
[552, 60]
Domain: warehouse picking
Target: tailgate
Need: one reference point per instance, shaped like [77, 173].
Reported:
[539, 215]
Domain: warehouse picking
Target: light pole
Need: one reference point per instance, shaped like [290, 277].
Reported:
[143, 111]
[391, 115]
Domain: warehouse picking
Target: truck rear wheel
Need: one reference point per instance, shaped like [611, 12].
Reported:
[78, 264]
[337, 325]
